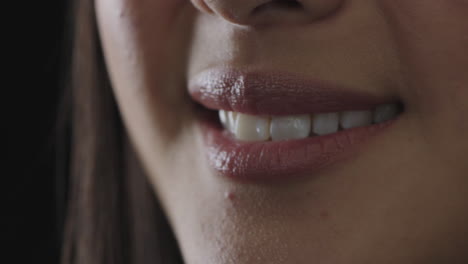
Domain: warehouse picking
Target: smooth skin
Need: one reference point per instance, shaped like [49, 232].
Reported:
[403, 199]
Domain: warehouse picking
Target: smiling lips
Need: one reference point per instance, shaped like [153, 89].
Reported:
[277, 126]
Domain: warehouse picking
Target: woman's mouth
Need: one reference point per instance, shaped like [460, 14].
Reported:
[274, 126]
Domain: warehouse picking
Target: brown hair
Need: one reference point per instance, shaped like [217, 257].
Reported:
[112, 215]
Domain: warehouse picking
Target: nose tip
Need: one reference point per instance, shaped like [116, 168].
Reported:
[264, 12]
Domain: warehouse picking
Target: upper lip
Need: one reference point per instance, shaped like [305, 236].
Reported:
[275, 93]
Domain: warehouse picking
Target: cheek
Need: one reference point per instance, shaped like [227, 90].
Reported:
[432, 41]
[144, 43]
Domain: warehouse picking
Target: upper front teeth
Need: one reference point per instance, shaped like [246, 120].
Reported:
[252, 128]
[261, 128]
[290, 127]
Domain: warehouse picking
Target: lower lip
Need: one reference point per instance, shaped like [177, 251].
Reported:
[282, 160]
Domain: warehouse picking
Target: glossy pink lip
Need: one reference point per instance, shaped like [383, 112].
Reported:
[259, 93]
[277, 94]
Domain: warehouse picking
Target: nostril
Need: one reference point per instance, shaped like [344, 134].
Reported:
[278, 4]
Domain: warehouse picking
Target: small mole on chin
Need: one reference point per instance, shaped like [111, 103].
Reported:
[229, 195]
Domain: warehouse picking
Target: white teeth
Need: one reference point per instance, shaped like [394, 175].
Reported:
[252, 128]
[261, 128]
[324, 124]
[290, 127]
[352, 119]
[231, 121]
[223, 117]
[385, 112]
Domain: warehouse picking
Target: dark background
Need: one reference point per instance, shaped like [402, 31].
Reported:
[34, 52]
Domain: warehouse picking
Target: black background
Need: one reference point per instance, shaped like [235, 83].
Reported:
[34, 59]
